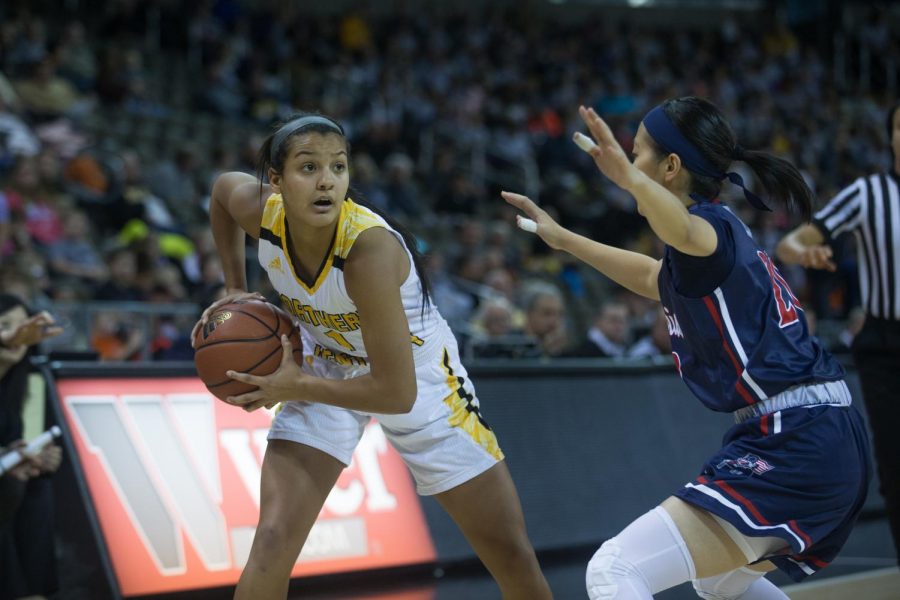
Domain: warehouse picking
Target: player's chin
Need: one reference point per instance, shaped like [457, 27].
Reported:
[319, 215]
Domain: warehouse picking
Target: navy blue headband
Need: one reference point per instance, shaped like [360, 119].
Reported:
[671, 140]
[290, 127]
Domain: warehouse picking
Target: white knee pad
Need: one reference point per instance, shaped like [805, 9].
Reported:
[647, 557]
[605, 569]
[740, 584]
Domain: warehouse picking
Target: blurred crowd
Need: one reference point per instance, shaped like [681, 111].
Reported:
[114, 124]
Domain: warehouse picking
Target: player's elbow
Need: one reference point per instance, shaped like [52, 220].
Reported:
[408, 399]
[404, 397]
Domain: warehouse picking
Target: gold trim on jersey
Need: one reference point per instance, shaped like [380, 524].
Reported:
[464, 412]
[352, 221]
[358, 219]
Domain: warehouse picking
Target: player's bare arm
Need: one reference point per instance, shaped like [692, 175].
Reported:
[635, 271]
[375, 270]
[235, 209]
[667, 215]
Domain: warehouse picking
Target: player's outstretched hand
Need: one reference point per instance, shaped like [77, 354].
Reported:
[541, 223]
[280, 386]
[230, 296]
[818, 257]
[606, 152]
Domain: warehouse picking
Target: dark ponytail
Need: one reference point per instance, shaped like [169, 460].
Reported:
[704, 126]
[272, 155]
[781, 180]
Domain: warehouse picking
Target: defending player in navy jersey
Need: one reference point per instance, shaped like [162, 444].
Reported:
[791, 477]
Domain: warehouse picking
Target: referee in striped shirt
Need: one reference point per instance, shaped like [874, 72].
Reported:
[870, 209]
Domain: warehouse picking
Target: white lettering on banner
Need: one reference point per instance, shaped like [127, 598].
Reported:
[237, 444]
[335, 538]
[370, 446]
[142, 444]
[347, 501]
[340, 501]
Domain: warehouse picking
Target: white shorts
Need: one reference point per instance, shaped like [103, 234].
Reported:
[444, 440]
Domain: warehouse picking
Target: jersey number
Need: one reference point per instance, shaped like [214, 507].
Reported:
[785, 300]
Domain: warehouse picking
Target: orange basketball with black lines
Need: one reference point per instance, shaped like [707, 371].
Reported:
[242, 336]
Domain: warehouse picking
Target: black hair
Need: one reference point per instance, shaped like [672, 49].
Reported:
[890, 131]
[704, 126]
[273, 158]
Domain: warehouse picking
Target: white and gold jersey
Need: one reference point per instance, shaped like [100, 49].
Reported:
[444, 439]
[324, 309]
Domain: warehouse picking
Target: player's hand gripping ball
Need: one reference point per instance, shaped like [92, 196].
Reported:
[245, 337]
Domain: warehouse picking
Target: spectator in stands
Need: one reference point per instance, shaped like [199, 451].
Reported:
[367, 179]
[76, 59]
[136, 200]
[27, 550]
[459, 197]
[31, 207]
[16, 137]
[545, 317]
[116, 337]
[74, 254]
[122, 285]
[608, 335]
[454, 303]
[494, 334]
[655, 343]
[401, 189]
[174, 182]
[46, 96]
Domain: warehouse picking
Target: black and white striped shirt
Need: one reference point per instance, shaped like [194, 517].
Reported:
[870, 209]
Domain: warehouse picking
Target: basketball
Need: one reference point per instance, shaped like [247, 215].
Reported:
[242, 336]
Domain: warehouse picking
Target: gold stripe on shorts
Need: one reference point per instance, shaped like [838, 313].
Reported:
[464, 412]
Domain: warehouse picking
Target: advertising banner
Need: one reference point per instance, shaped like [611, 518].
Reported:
[174, 474]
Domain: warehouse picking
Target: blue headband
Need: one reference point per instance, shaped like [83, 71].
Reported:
[291, 127]
[670, 140]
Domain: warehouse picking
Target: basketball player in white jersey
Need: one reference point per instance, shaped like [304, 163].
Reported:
[374, 345]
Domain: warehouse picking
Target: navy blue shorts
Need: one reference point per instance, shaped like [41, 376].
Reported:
[800, 474]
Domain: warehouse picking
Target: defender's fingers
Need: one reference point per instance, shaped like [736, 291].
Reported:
[599, 129]
[523, 203]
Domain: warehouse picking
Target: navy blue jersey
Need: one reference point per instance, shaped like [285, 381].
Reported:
[742, 337]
